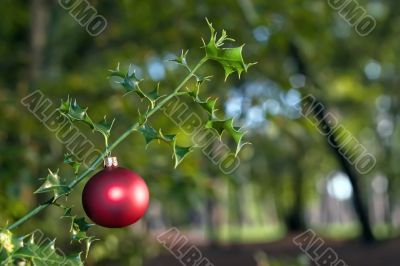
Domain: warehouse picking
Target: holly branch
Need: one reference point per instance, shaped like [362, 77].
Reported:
[230, 59]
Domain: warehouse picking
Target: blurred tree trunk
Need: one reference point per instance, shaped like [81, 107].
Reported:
[39, 18]
[253, 19]
[232, 210]
[388, 144]
[210, 222]
[359, 207]
[295, 219]
[392, 174]
[320, 114]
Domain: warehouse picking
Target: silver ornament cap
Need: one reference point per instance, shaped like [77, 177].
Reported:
[110, 161]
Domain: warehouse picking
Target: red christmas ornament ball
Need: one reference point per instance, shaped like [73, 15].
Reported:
[115, 197]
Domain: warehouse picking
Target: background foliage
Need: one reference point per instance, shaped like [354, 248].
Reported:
[282, 180]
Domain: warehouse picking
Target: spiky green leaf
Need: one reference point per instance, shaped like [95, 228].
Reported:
[181, 60]
[79, 228]
[35, 251]
[55, 185]
[209, 104]
[152, 97]
[81, 224]
[129, 80]
[45, 255]
[69, 159]
[231, 59]
[180, 152]
[131, 83]
[150, 134]
[72, 111]
[227, 125]
[104, 126]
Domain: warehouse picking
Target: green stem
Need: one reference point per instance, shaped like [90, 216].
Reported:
[99, 159]
[107, 150]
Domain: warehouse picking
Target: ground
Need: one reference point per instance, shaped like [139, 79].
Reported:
[354, 253]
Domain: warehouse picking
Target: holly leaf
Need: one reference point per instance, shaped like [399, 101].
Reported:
[79, 232]
[72, 111]
[104, 126]
[142, 118]
[79, 228]
[181, 60]
[209, 104]
[88, 243]
[180, 152]
[81, 224]
[69, 159]
[231, 59]
[169, 138]
[227, 125]
[53, 184]
[67, 212]
[65, 105]
[131, 83]
[200, 80]
[150, 134]
[151, 96]
[129, 80]
[77, 112]
[38, 252]
[44, 254]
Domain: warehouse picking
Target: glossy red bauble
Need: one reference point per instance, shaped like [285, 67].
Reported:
[115, 197]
